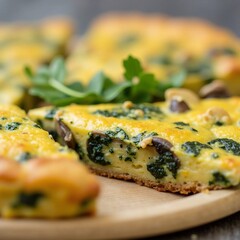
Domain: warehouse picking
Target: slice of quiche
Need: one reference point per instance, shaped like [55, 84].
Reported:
[38, 177]
[22, 45]
[182, 145]
[165, 45]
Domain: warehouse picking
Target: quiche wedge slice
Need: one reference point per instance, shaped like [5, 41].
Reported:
[24, 44]
[165, 45]
[177, 146]
[39, 178]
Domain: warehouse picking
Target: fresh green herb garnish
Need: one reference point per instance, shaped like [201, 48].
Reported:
[49, 83]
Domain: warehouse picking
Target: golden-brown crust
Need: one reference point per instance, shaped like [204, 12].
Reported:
[186, 188]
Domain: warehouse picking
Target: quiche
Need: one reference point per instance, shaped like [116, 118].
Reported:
[183, 145]
[39, 178]
[24, 45]
[166, 46]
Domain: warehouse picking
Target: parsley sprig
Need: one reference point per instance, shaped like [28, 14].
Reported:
[49, 83]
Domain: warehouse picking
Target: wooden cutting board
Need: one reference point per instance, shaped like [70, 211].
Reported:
[126, 210]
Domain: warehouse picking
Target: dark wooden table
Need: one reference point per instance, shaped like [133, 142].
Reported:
[225, 13]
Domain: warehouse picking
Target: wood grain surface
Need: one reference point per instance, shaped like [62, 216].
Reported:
[127, 210]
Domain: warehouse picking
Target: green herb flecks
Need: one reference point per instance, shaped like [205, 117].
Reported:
[148, 111]
[182, 125]
[118, 133]
[138, 138]
[36, 125]
[130, 151]
[165, 161]
[95, 144]
[50, 114]
[24, 157]
[215, 155]
[80, 151]
[227, 144]
[27, 200]
[12, 126]
[219, 179]
[194, 148]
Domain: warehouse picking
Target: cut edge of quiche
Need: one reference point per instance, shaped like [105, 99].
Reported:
[183, 145]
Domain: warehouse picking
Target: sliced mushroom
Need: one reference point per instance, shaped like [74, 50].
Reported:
[162, 145]
[166, 156]
[216, 89]
[178, 106]
[181, 93]
[65, 133]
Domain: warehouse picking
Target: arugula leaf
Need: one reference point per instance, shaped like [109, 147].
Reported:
[49, 83]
